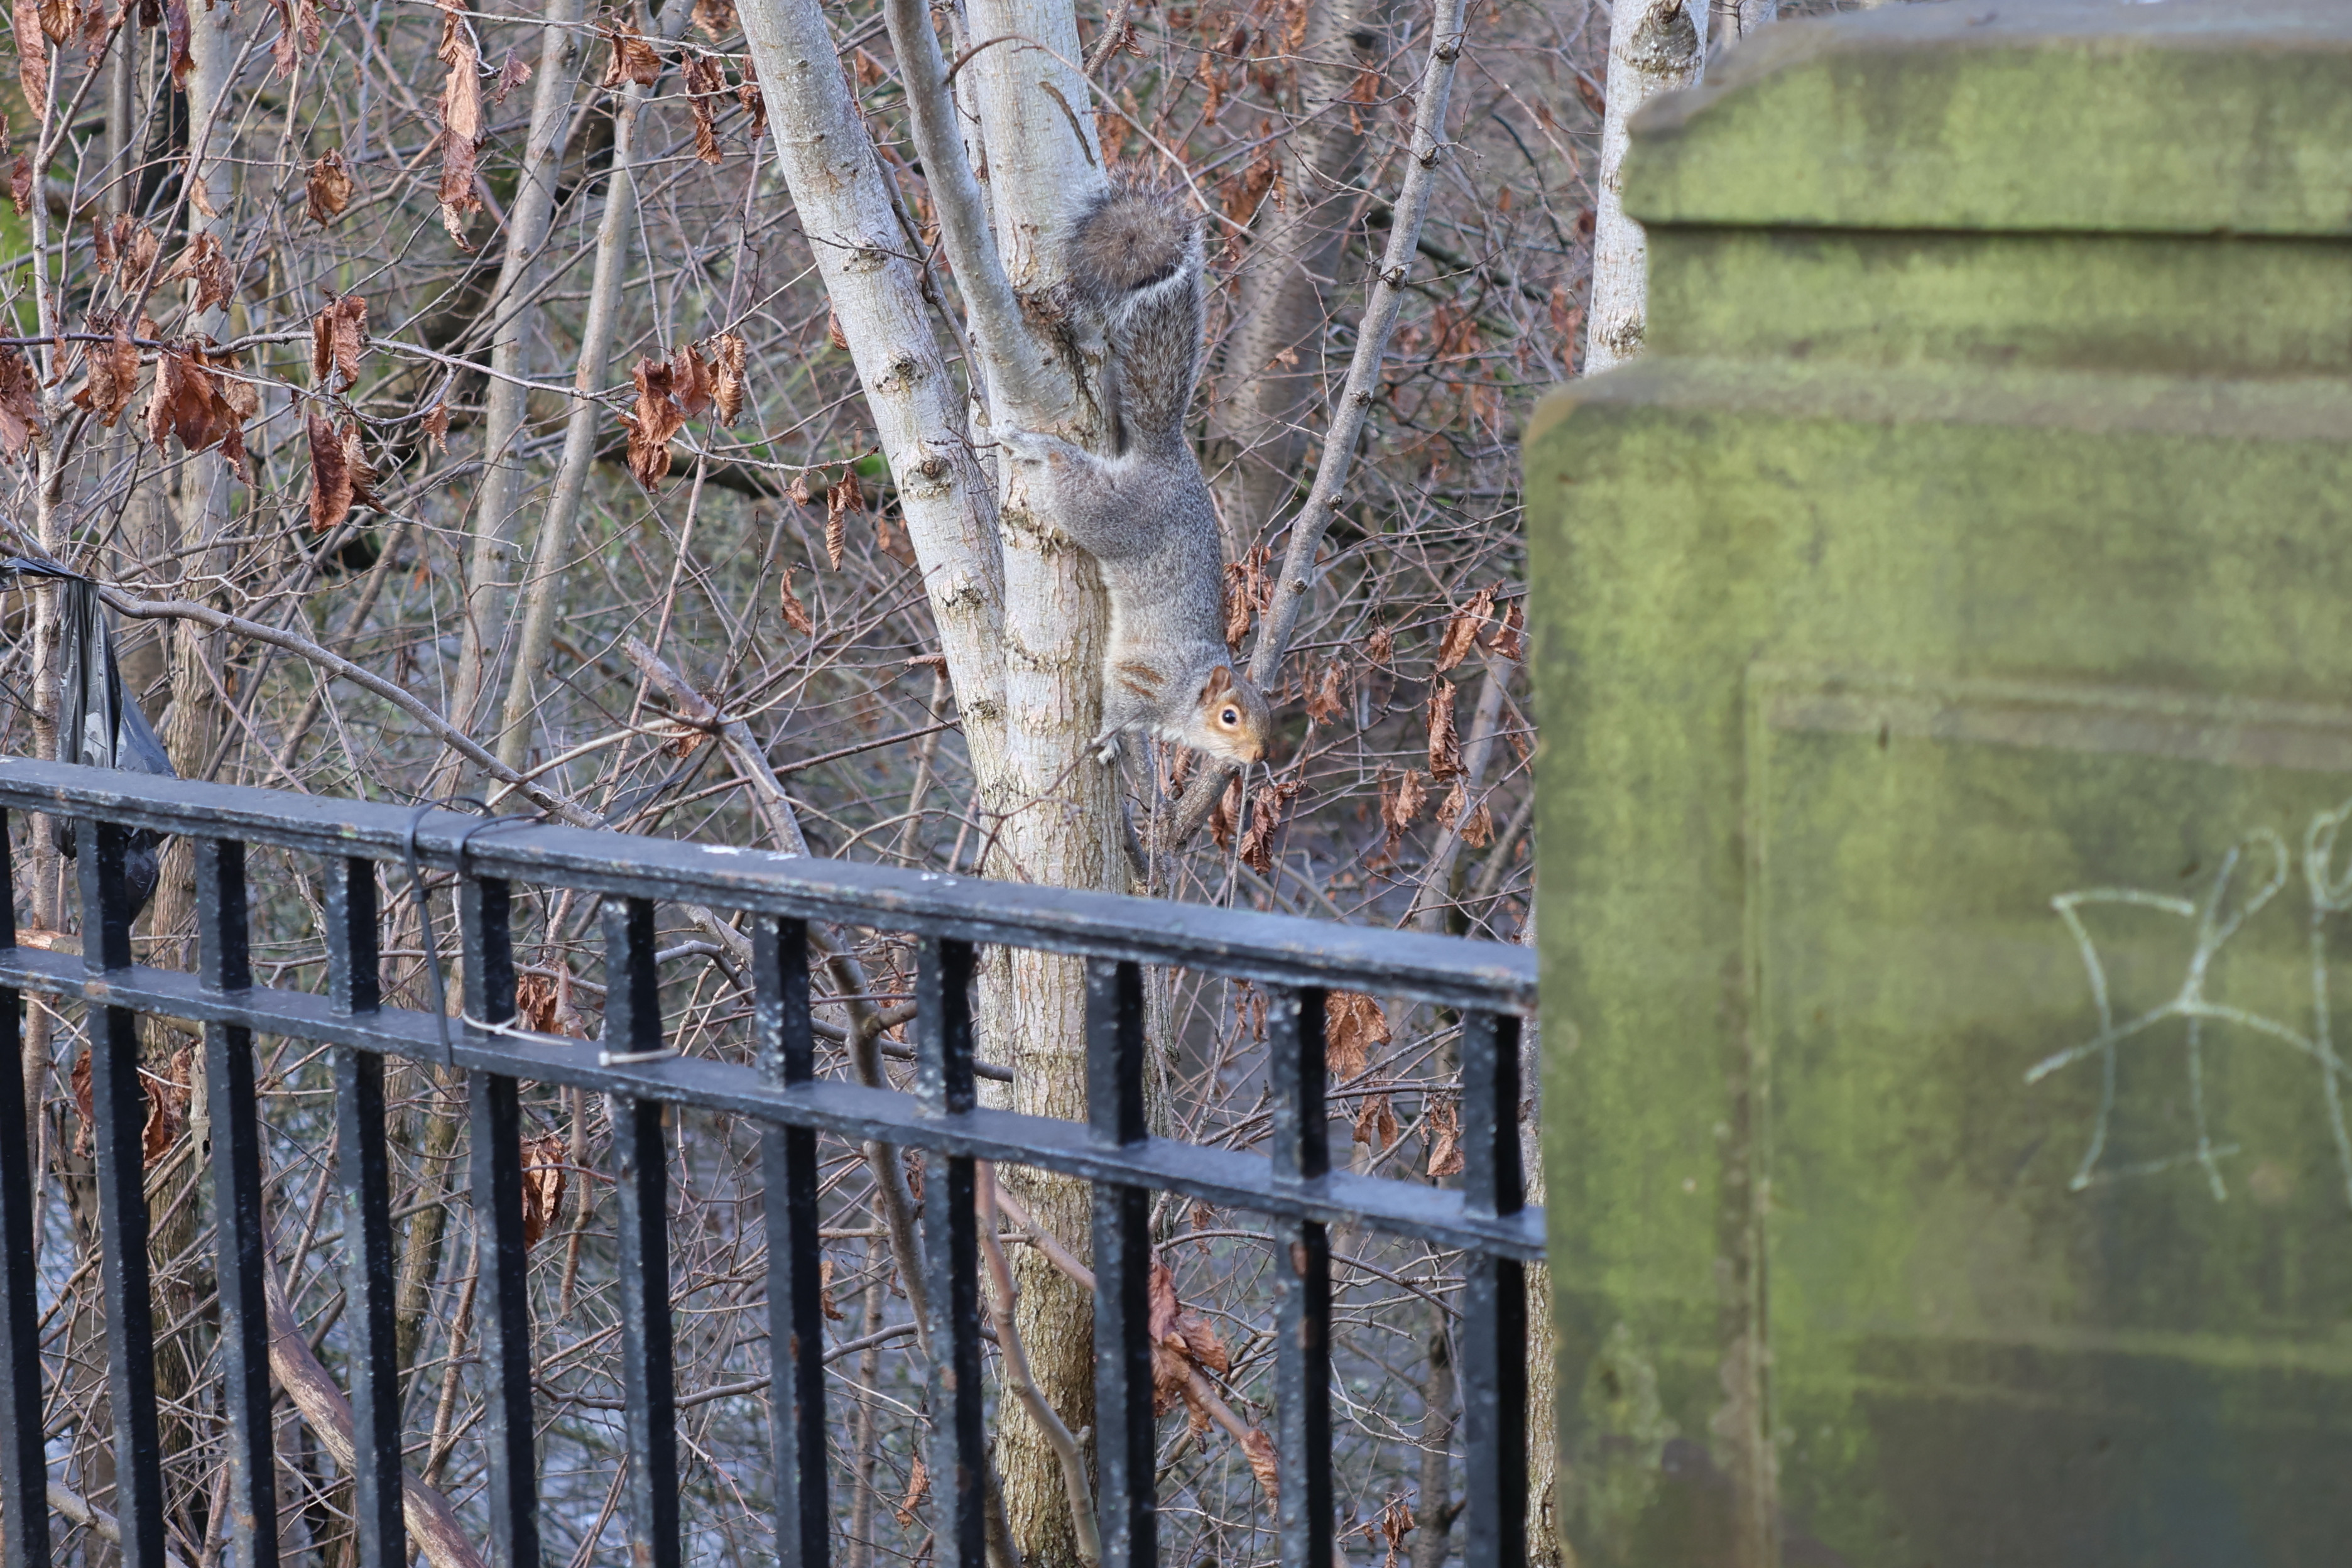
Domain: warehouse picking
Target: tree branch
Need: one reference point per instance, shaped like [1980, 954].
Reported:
[998, 331]
[431, 1522]
[1354, 407]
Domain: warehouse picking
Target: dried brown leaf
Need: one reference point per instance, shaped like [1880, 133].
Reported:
[1259, 1449]
[355, 463]
[1449, 812]
[331, 479]
[1227, 814]
[513, 74]
[1445, 743]
[727, 386]
[32, 52]
[167, 1107]
[1462, 631]
[651, 421]
[338, 338]
[840, 501]
[1380, 647]
[1376, 1122]
[1395, 1527]
[20, 404]
[175, 33]
[747, 93]
[437, 427]
[1443, 1127]
[704, 84]
[825, 1290]
[691, 384]
[634, 58]
[113, 372]
[328, 190]
[1505, 641]
[543, 1174]
[299, 30]
[919, 1486]
[20, 184]
[833, 332]
[461, 120]
[1477, 829]
[1327, 701]
[1399, 807]
[716, 18]
[1268, 805]
[85, 1102]
[207, 266]
[1354, 1025]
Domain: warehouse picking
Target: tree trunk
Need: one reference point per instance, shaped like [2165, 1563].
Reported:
[1655, 46]
[1272, 369]
[511, 319]
[519, 720]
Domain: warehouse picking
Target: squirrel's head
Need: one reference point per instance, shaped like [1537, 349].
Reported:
[1232, 719]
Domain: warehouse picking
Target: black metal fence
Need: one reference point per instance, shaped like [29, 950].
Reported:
[1297, 961]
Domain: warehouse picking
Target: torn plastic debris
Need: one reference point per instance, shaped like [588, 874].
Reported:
[99, 724]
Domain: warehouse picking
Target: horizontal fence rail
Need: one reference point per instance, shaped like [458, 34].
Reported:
[1297, 961]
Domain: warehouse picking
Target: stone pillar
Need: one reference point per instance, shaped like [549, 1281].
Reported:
[1945, 657]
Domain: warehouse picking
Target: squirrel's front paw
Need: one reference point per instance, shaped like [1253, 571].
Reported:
[1106, 747]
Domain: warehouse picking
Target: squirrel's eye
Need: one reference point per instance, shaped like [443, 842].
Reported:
[1232, 716]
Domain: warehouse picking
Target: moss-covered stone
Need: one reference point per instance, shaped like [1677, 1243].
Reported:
[1943, 656]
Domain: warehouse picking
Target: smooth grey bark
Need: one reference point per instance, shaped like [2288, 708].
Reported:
[1272, 371]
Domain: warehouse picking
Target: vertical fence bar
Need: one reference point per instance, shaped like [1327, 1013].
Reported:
[495, 1110]
[785, 1048]
[943, 1087]
[241, 1245]
[1494, 1330]
[632, 1026]
[118, 1101]
[24, 1456]
[364, 1173]
[354, 958]
[1126, 1452]
[1301, 1152]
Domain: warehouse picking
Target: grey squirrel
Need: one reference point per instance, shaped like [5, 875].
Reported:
[1136, 268]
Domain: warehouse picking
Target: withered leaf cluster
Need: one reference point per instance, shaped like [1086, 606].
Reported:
[1270, 803]
[127, 244]
[200, 399]
[705, 85]
[299, 32]
[203, 263]
[114, 367]
[671, 391]
[1181, 1339]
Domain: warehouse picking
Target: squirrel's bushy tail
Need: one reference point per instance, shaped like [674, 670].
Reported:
[1136, 263]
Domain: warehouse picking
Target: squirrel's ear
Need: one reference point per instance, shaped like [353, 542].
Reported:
[1220, 680]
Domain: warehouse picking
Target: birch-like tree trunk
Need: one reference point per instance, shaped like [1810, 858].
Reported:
[1655, 46]
[1021, 611]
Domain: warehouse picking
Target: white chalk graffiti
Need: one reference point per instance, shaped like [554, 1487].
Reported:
[2217, 919]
